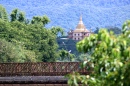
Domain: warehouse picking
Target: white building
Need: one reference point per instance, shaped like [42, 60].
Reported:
[80, 31]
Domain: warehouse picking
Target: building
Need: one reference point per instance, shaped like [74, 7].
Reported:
[80, 32]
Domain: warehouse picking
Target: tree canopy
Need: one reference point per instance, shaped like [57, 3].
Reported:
[17, 15]
[110, 58]
[3, 13]
[32, 37]
[15, 53]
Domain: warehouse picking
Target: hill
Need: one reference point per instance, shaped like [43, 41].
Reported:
[65, 13]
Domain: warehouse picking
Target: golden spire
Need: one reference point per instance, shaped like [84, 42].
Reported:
[80, 27]
[80, 24]
[81, 18]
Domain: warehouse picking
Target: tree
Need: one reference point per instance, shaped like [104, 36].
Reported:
[14, 53]
[33, 37]
[3, 13]
[96, 31]
[17, 15]
[65, 56]
[21, 17]
[116, 30]
[57, 31]
[40, 20]
[110, 58]
[126, 26]
[82, 57]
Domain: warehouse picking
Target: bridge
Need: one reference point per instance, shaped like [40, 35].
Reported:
[39, 72]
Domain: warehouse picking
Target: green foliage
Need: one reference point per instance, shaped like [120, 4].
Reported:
[109, 59]
[75, 78]
[65, 56]
[57, 31]
[34, 38]
[40, 20]
[14, 15]
[17, 15]
[21, 17]
[3, 13]
[67, 44]
[126, 26]
[14, 53]
[83, 57]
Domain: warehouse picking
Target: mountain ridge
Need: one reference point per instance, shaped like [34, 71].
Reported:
[65, 13]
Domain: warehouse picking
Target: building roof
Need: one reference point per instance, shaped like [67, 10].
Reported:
[81, 27]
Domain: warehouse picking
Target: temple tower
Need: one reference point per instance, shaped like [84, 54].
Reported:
[79, 32]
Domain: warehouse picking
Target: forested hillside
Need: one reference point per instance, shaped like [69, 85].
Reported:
[65, 13]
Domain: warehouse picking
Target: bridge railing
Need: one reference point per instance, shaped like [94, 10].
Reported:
[41, 69]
